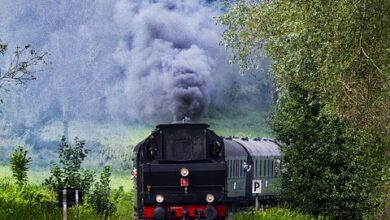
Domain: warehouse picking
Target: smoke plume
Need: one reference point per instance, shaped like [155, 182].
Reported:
[170, 63]
[115, 64]
[118, 60]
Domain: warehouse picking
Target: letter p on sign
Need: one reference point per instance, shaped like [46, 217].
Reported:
[256, 186]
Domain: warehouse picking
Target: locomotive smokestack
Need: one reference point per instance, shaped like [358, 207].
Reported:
[184, 120]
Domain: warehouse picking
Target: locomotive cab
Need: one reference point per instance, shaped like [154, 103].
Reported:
[181, 173]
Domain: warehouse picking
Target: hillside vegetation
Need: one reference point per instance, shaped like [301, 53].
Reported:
[331, 68]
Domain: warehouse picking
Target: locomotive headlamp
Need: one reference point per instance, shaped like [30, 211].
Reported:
[210, 198]
[159, 198]
[184, 171]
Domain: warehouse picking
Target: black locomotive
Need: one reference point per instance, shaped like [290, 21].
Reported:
[186, 171]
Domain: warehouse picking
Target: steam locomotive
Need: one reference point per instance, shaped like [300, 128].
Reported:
[186, 171]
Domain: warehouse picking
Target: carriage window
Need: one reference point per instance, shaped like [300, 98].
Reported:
[151, 150]
[240, 168]
[234, 168]
[269, 168]
[260, 168]
[215, 149]
[231, 168]
[277, 167]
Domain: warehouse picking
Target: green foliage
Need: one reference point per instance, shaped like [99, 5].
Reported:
[274, 214]
[100, 198]
[20, 165]
[70, 174]
[27, 202]
[337, 48]
[328, 172]
[35, 202]
[332, 69]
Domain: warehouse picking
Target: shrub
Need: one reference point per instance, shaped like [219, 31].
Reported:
[69, 173]
[100, 198]
[28, 202]
[20, 165]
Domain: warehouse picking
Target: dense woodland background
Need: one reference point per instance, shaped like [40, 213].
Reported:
[332, 69]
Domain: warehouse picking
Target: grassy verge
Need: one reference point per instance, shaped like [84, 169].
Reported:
[274, 214]
[36, 177]
[35, 202]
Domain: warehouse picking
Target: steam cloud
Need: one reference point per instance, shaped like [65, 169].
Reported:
[169, 64]
[117, 60]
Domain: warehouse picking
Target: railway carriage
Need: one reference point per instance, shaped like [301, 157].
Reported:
[253, 171]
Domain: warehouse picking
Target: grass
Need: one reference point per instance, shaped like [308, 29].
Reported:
[35, 202]
[274, 214]
[36, 177]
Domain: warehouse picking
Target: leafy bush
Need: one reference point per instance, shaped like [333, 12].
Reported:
[100, 198]
[26, 202]
[20, 165]
[36, 202]
[70, 174]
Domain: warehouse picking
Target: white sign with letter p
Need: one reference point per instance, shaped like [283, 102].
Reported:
[256, 186]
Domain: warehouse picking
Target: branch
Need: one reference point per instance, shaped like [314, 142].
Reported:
[22, 66]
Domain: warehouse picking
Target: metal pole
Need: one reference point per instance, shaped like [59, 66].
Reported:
[77, 197]
[257, 203]
[77, 203]
[64, 204]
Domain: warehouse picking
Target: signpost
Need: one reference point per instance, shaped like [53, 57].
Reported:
[68, 198]
[256, 186]
[256, 189]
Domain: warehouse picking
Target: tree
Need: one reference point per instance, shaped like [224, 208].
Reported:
[331, 66]
[22, 65]
[100, 198]
[20, 165]
[70, 174]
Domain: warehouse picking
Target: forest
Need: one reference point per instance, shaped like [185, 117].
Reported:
[81, 83]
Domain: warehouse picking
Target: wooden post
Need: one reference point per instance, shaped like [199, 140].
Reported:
[64, 204]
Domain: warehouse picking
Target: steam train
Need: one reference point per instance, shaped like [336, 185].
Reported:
[186, 171]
